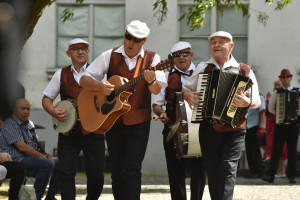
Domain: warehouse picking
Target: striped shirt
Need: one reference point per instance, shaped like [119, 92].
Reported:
[14, 130]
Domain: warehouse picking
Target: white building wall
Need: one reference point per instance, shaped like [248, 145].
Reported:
[270, 48]
[275, 46]
[39, 54]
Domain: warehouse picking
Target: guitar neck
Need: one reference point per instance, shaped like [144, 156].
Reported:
[129, 84]
[161, 66]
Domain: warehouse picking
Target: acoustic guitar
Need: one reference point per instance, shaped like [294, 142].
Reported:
[99, 112]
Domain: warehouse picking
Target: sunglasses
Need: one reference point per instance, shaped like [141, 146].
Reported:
[136, 40]
[178, 54]
[77, 49]
[285, 76]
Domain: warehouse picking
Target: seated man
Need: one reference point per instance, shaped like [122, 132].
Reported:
[18, 138]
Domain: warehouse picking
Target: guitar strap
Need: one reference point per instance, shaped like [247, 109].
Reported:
[138, 66]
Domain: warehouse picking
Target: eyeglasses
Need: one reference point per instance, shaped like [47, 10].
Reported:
[285, 77]
[184, 54]
[76, 49]
[136, 40]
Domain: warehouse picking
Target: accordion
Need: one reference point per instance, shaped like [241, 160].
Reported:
[217, 91]
[287, 105]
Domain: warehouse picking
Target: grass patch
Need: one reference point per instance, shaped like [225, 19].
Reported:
[4, 191]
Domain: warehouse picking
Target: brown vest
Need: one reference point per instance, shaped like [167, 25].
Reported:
[140, 100]
[70, 89]
[174, 85]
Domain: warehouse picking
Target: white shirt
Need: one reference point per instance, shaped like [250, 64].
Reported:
[233, 66]
[272, 102]
[99, 67]
[160, 98]
[53, 88]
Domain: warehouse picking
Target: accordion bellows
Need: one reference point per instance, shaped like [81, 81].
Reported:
[217, 91]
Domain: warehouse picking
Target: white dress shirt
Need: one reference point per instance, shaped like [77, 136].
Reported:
[99, 67]
[159, 99]
[233, 66]
[53, 88]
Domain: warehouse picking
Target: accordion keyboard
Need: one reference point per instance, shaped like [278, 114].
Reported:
[197, 114]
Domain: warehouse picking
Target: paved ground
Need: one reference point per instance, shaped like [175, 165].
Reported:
[156, 188]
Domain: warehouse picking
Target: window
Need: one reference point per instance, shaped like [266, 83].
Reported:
[101, 24]
[232, 22]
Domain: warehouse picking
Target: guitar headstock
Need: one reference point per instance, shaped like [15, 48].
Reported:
[165, 64]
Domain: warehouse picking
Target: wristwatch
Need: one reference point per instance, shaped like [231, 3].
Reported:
[153, 82]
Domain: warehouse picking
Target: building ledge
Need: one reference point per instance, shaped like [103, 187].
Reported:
[50, 72]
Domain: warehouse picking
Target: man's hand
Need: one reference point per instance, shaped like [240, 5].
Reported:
[149, 76]
[50, 158]
[60, 114]
[164, 118]
[241, 100]
[5, 157]
[106, 87]
[192, 98]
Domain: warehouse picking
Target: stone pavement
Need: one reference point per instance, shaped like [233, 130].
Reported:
[157, 188]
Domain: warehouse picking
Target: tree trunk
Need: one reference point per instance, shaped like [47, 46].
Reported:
[36, 9]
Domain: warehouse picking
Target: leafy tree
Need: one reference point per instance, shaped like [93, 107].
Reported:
[196, 13]
[35, 11]
[194, 17]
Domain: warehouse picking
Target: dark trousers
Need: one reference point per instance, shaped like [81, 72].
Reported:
[177, 172]
[16, 172]
[252, 145]
[93, 148]
[126, 147]
[282, 133]
[221, 152]
[43, 170]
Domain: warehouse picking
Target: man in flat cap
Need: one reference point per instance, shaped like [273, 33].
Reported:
[128, 137]
[163, 106]
[284, 131]
[66, 83]
[221, 148]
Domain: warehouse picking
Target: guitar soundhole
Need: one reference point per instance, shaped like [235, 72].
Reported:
[110, 97]
[96, 103]
[107, 107]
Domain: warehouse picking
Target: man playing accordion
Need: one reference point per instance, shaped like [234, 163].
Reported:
[286, 131]
[221, 150]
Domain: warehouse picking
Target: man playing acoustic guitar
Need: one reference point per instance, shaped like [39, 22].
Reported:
[66, 83]
[128, 137]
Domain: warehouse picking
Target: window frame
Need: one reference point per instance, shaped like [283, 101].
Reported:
[91, 26]
[213, 25]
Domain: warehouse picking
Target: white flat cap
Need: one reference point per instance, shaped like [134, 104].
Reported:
[180, 46]
[138, 29]
[220, 34]
[78, 41]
